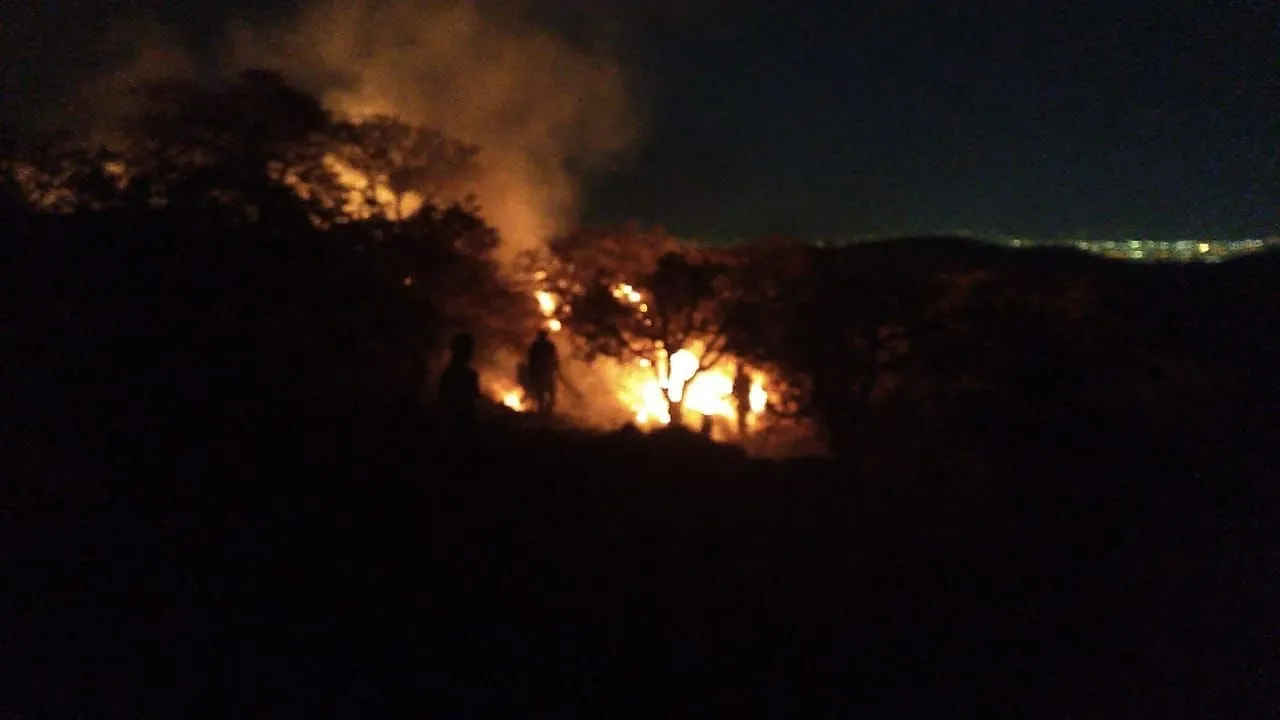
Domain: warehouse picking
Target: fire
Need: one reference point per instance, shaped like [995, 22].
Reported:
[759, 398]
[356, 185]
[514, 399]
[647, 391]
[623, 291]
[547, 302]
[645, 387]
[707, 393]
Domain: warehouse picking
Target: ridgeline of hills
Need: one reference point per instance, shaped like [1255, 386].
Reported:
[218, 507]
[1206, 250]
[226, 491]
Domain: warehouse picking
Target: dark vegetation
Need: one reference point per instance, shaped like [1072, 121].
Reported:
[223, 492]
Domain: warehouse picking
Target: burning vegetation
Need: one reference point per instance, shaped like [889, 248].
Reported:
[647, 324]
[656, 384]
[642, 321]
[370, 118]
[657, 352]
[362, 245]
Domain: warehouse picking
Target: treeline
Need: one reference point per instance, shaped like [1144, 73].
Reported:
[214, 251]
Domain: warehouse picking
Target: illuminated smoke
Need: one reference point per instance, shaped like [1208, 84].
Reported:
[140, 53]
[545, 112]
[541, 109]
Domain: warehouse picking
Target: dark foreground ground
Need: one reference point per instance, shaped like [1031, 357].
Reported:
[182, 536]
[304, 564]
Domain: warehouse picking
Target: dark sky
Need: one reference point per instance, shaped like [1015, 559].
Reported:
[1133, 117]
[1156, 118]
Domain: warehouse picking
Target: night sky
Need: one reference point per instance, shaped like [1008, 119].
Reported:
[1102, 118]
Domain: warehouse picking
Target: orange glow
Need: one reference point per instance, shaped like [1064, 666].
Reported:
[647, 389]
[514, 400]
[627, 293]
[357, 183]
[759, 398]
[546, 302]
[708, 393]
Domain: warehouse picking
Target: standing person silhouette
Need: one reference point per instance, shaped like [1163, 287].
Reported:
[742, 398]
[460, 385]
[543, 365]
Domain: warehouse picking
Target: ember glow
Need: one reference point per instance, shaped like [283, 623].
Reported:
[709, 393]
[514, 400]
[644, 389]
[547, 302]
[357, 186]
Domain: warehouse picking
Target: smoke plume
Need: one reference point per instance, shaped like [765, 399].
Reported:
[137, 52]
[545, 111]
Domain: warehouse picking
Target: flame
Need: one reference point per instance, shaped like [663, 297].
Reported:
[759, 398]
[623, 291]
[647, 387]
[708, 393]
[509, 396]
[547, 302]
[514, 399]
[356, 183]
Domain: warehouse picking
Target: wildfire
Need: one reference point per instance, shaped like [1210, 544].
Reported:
[514, 399]
[546, 302]
[624, 291]
[707, 393]
[357, 184]
[648, 391]
[644, 390]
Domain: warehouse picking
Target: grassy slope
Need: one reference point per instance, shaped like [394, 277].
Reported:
[272, 559]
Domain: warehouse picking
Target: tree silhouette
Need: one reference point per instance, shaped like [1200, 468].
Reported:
[240, 146]
[394, 159]
[222, 195]
[684, 301]
[833, 330]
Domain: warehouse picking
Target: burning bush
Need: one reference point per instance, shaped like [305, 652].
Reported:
[645, 320]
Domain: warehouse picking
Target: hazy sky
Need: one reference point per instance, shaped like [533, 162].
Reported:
[1139, 117]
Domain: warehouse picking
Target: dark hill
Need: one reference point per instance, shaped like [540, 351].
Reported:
[192, 528]
[935, 254]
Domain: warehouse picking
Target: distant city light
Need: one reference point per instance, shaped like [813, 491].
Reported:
[1128, 249]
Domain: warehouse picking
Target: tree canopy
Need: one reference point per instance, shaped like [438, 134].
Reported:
[250, 180]
[635, 294]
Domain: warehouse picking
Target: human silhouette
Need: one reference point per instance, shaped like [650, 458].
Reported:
[522, 380]
[742, 398]
[543, 367]
[460, 385]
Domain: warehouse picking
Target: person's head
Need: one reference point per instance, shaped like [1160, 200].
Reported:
[542, 336]
[463, 347]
